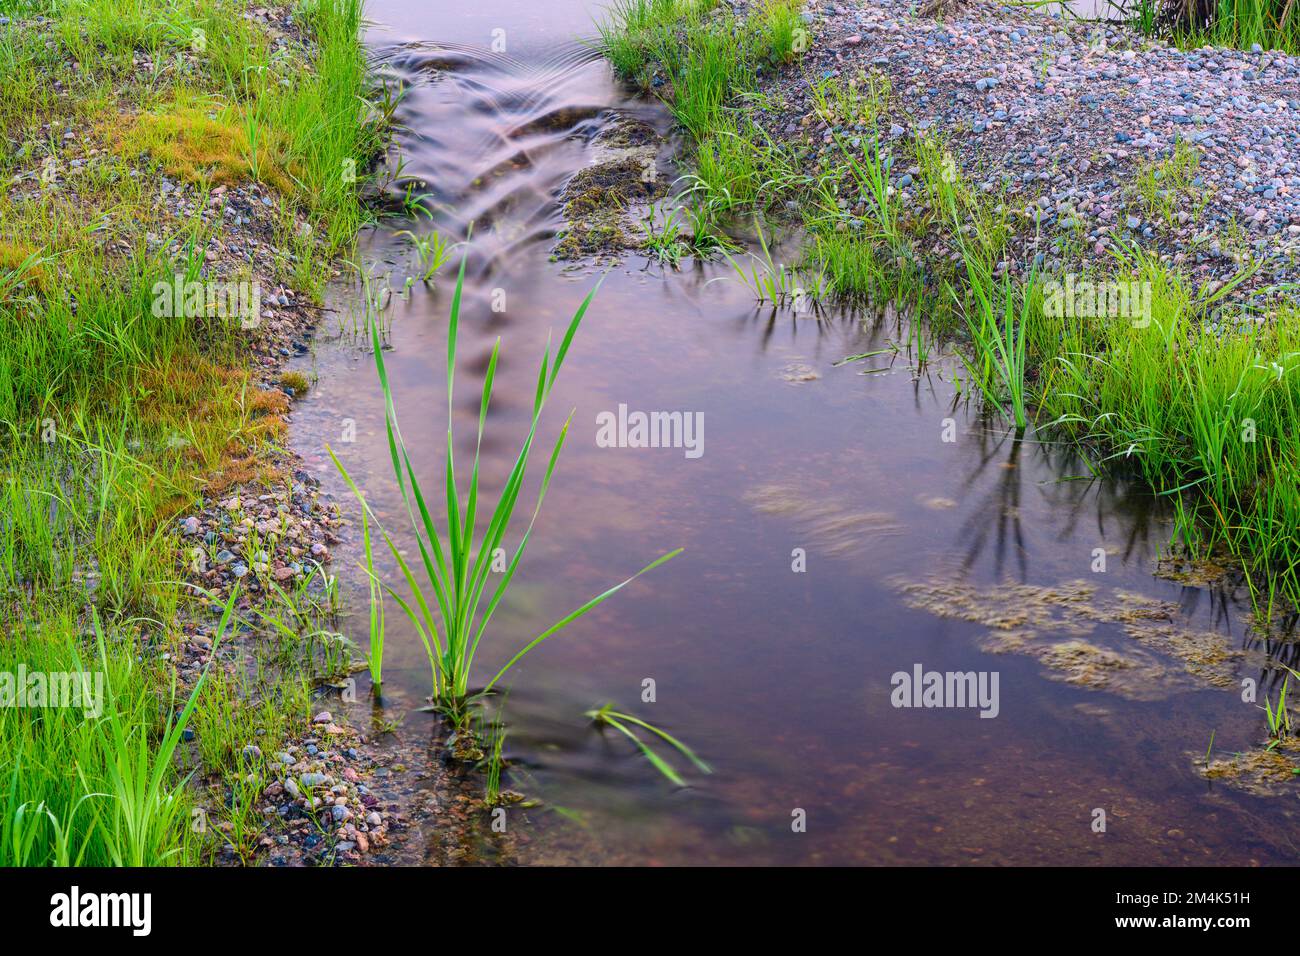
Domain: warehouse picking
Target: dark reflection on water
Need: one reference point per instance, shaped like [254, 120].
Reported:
[780, 679]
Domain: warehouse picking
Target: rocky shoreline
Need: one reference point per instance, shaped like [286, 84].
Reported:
[1064, 114]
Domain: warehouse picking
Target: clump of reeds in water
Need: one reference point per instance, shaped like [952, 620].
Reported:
[449, 602]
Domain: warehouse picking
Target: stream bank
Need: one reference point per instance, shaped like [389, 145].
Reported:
[178, 193]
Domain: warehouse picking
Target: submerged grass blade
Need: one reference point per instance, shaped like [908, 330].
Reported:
[606, 715]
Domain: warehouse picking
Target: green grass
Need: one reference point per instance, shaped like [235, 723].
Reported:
[1171, 186]
[665, 240]
[998, 312]
[432, 252]
[378, 624]
[1202, 402]
[493, 733]
[94, 789]
[115, 421]
[1279, 719]
[456, 555]
[708, 60]
[607, 716]
[1273, 24]
[770, 281]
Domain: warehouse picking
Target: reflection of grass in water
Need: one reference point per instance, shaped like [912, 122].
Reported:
[454, 567]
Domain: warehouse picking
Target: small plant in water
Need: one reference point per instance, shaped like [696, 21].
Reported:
[606, 716]
[432, 250]
[494, 741]
[1279, 720]
[664, 241]
[453, 569]
[771, 281]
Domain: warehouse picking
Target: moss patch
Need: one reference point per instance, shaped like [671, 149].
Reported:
[599, 199]
[1261, 772]
[295, 382]
[201, 143]
[22, 263]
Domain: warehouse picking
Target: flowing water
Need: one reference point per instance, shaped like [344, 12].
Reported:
[914, 549]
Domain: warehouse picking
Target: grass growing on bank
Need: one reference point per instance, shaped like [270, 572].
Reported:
[1204, 401]
[703, 76]
[1148, 373]
[998, 315]
[114, 419]
[1270, 24]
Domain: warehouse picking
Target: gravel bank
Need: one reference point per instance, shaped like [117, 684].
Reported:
[1065, 114]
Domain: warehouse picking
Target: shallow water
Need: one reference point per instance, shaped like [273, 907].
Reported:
[781, 679]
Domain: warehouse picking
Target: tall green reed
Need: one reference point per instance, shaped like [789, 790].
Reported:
[455, 557]
[997, 316]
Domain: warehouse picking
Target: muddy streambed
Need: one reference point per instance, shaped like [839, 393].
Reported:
[833, 539]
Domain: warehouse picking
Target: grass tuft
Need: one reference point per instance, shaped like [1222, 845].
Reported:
[456, 557]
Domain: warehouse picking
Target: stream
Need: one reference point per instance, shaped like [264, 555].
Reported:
[834, 537]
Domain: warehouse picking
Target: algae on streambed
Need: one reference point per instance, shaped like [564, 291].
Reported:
[1057, 625]
[1264, 772]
